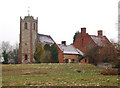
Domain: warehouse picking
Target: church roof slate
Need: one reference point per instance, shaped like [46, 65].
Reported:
[45, 39]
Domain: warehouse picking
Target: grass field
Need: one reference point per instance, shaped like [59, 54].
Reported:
[70, 74]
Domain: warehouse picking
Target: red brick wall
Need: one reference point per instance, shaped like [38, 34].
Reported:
[82, 42]
[60, 57]
[86, 39]
[60, 54]
[75, 57]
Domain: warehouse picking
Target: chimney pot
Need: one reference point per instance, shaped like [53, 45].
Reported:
[63, 42]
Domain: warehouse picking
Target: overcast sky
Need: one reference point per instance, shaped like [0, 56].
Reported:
[60, 18]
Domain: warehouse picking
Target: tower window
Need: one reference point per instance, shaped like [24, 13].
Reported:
[26, 57]
[34, 26]
[25, 25]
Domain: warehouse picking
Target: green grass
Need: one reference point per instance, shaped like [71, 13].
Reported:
[56, 75]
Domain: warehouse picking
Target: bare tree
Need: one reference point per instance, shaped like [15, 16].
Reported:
[102, 54]
[92, 52]
[9, 52]
[5, 49]
[5, 46]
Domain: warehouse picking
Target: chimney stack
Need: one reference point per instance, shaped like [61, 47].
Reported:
[83, 30]
[64, 42]
[99, 32]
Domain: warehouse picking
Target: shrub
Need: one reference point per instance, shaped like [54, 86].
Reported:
[45, 57]
[109, 72]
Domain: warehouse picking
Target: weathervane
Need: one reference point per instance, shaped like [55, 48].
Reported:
[28, 11]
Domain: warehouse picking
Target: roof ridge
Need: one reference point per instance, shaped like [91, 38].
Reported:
[94, 35]
[44, 34]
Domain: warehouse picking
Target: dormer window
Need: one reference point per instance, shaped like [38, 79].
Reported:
[25, 25]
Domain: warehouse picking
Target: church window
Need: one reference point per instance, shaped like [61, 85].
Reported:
[82, 43]
[26, 57]
[25, 25]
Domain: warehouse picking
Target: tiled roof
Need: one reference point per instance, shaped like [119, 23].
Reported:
[45, 39]
[99, 40]
[69, 49]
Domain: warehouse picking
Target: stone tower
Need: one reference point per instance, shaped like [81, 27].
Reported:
[119, 22]
[28, 39]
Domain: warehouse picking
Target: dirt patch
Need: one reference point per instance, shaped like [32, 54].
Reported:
[33, 73]
[78, 71]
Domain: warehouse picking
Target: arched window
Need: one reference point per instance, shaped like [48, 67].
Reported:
[26, 57]
[25, 25]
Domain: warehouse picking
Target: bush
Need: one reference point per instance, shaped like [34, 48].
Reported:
[45, 57]
[46, 54]
[109, 72]
[51, 53]
[117, 65]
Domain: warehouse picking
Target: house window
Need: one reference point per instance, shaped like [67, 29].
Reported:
[82, 43]
[66, 60]
[25, 25]
[85, 60]
[26, 57]
[72, 60]
[90, 42]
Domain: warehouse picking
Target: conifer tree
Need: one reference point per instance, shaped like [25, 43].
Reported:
[75, 35]
[54, 54]
[38, 53]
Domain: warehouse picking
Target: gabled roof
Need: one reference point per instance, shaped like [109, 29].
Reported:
[45, 39]
[69, 49]
[100, 40]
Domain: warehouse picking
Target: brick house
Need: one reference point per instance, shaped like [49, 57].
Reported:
[68, 53]
[84, 41]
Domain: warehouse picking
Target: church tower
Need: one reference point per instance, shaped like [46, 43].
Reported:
[28, 39]
[119, 22]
